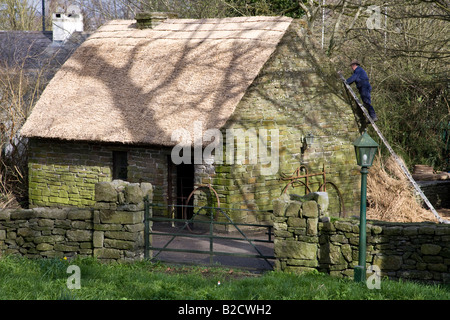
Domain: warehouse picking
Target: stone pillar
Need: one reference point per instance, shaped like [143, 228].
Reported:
[119, 220]
[296, 233]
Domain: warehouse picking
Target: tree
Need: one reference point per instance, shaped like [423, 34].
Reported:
[25, 69]
[404, 47]
[18, 15]
[290, 8]
[19, 89]
[96, 12]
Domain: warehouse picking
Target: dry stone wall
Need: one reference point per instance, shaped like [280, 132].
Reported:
[113, 229]
[306, 239]
[437, 192]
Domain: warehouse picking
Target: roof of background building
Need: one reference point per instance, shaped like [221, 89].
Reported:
[34, 49]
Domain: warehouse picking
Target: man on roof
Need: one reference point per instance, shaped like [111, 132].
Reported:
[361, 79]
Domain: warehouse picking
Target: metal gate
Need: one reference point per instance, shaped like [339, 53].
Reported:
[204, 235]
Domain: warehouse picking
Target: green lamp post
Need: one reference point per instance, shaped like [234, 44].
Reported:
[365, 149]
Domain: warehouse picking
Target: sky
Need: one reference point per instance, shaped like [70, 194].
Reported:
[37, 4]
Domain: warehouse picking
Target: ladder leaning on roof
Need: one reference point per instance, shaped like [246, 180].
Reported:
[397, 159]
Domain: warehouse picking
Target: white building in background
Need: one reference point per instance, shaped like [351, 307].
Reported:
[66, 23]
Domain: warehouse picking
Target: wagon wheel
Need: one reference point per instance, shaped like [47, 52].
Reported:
[292, 182]
[323, 187]
[189, 198]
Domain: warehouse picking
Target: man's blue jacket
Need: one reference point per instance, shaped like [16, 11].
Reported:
[360, 77]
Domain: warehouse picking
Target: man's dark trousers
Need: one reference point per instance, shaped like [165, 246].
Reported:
[365, 96]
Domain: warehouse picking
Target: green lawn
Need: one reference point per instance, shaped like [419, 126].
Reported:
[46, 279]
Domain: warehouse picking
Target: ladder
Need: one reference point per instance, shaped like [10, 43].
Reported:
[397, 159]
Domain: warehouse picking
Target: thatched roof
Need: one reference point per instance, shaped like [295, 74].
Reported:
[136, 86]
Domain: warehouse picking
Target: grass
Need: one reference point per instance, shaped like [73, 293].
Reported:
[46, 279]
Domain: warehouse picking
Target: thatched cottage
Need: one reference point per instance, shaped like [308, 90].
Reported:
[131, 102]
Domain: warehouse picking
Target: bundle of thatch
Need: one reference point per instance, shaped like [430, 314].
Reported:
[391, 196]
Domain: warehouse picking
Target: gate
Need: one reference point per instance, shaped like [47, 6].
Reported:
[203, 235]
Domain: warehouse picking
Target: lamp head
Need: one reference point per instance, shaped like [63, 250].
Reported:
[365, 149]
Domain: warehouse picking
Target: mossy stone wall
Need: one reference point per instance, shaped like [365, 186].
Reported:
[307, 239]
[64, 173]
[295, 95]
[112, 230]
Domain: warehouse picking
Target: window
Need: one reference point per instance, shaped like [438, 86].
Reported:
[120, 165]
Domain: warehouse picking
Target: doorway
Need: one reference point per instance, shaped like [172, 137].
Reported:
[185, 185]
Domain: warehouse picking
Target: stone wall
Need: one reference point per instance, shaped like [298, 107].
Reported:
[412, 251]
[64, 173]
[437, 192]
[113, 229]
[291, 94]
[295, 224]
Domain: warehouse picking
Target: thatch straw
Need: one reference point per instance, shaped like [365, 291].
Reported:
[391, 196]
[137, 86]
